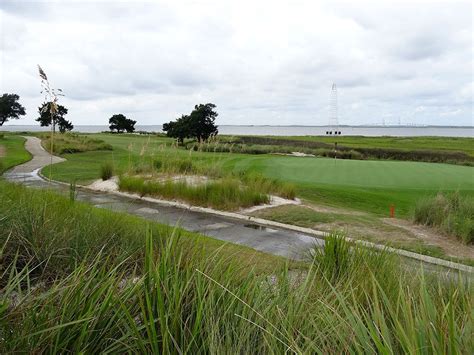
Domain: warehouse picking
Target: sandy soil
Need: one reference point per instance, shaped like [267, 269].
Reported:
[107, 185]
[3, 151]
[193, 180]
[274, 202]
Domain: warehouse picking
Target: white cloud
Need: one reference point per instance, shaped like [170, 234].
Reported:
[265, 62]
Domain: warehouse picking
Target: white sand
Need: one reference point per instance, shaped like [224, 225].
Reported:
[274, 202]
[107, 185]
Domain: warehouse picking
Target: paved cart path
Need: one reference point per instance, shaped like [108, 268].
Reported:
[275, 241]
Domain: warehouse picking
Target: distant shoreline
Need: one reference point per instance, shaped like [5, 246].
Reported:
[292, 130]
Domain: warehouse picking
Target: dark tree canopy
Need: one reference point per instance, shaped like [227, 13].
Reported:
[10, 108]
[58, 117]
[178, 129]
[121, 123]
[199, 124]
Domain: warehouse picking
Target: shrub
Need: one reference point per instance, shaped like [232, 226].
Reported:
[451, 213]
[2, 136]
[106, 171]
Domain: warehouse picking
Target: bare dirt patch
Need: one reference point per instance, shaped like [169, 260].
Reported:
[325, 209]
[449, 244]
[3, 151]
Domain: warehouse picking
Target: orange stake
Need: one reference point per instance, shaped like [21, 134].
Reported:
[392, 211]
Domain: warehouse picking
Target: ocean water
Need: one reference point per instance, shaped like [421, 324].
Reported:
[370, 131]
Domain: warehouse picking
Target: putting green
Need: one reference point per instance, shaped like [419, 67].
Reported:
[369, 173]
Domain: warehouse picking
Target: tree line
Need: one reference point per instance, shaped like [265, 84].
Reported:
[199, 124]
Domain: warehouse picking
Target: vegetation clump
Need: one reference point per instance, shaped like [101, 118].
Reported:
[82, 279]
[106, 171]
[73, 143]
[452, 213]
[226, 194]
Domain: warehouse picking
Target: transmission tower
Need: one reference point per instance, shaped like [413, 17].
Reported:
[333, 120]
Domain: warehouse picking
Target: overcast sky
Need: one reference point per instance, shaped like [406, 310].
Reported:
[260, 62]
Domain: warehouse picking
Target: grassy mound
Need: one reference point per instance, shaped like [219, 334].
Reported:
[77, 279]
[73, 143]
[225, 194]
[452, 213]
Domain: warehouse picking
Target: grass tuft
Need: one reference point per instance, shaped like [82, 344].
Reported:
[106, 171]
[452, 213]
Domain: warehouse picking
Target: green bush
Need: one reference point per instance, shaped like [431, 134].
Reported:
[2, 136]
[106, 171]
[452, 213]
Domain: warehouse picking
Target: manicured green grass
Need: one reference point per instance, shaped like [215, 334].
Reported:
[363, 185]
[16, 153]
[83, 280]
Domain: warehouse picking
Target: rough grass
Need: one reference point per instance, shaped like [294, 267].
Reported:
[107, 285]
[452, 213]
[72, 143]
[225, 194]
[318, 147]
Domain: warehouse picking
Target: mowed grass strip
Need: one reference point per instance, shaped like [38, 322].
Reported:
[14, 150]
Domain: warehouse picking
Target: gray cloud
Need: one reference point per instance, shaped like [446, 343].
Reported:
[262, 63]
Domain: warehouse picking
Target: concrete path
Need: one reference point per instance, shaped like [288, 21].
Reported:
[275, 241]
[41, 157]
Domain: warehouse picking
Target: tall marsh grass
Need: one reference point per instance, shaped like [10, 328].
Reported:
[97, 281]
[106, 171]
[226, 194]
[452, 213]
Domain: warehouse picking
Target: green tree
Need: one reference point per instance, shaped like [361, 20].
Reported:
[199, 124]
[121, 123]
[10, 108]
[178, 129]
[58, 117]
